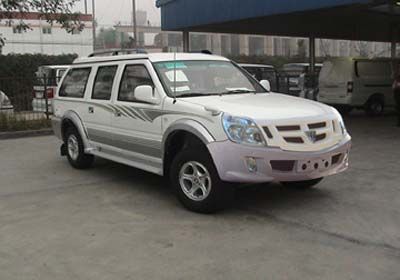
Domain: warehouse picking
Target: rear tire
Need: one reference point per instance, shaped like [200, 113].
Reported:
[196, 182]
[76, 151]
[302, 185]
[375, 106]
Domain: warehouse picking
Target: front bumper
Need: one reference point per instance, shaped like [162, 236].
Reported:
[274, 164]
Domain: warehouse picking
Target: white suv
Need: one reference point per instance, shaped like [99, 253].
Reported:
[198, 119]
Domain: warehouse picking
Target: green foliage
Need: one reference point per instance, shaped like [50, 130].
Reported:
[111, 38]
[13, 123]
[25, 65]
[17, 75]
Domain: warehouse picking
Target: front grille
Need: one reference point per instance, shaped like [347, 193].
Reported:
[320, 137]
[288, 128]
[294, 140]
[336, 159]
[268, 132]
[298, 134]
[282, 165]
[317, 125]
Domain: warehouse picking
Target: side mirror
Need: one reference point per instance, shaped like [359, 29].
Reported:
[266, 84]
[146, 94]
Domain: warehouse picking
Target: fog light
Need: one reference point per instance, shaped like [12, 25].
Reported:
[251, 164]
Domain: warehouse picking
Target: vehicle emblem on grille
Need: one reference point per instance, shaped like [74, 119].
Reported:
[312, 135]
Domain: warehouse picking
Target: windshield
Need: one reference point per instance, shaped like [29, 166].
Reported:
[201, 78]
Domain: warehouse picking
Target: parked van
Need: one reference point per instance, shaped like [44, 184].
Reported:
[357, 83]
[47, 79]
[200, 120]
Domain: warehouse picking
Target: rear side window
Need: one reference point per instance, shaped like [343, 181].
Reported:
[374, 69]
[75, 82]
[104, 82]
[134, 76]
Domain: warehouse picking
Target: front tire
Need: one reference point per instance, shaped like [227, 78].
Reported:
[76, 151]
[196, 182]
[303, 185]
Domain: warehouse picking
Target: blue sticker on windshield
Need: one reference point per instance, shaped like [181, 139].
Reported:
[175, 65]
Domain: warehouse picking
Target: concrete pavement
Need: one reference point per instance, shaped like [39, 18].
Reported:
[116, 222]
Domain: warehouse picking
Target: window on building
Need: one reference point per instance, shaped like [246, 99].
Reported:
[134, 76]
[104, 82]
[74, 84]
[46, 30]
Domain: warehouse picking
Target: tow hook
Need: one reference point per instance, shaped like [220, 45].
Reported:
[63, 150]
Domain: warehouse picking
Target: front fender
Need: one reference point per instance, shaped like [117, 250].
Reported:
[190, 126]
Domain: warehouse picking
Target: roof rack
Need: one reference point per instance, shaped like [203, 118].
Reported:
[202, 51]
[116, 52]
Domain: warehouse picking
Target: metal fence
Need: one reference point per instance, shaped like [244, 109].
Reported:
[25, 104]
[297, 85]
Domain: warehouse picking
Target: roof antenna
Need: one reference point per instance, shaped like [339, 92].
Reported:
[174, 78]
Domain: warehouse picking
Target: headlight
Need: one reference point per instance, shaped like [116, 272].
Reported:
[242, 130]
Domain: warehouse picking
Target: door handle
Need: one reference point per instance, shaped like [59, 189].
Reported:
[91, 110]
[118, 113]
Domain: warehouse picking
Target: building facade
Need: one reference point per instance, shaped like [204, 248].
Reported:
[253, 45]
[45, 38]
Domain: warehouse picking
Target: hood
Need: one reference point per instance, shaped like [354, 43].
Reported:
[271, 106]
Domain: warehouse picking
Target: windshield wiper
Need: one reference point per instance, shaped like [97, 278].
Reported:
[194, 94]
[237, 91]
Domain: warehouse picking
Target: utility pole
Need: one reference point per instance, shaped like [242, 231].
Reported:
[94, 24]
[135, 39]
[86, 10]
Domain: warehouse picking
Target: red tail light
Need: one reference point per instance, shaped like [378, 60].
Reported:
[350, 86]
[50, 93]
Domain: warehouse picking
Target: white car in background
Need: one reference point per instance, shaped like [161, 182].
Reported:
[47, 79]
[5, 104]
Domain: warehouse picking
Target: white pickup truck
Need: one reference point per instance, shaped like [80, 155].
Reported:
[199, 120]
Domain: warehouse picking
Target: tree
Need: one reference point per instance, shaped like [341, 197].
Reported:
[59, 11]
[111, 38]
